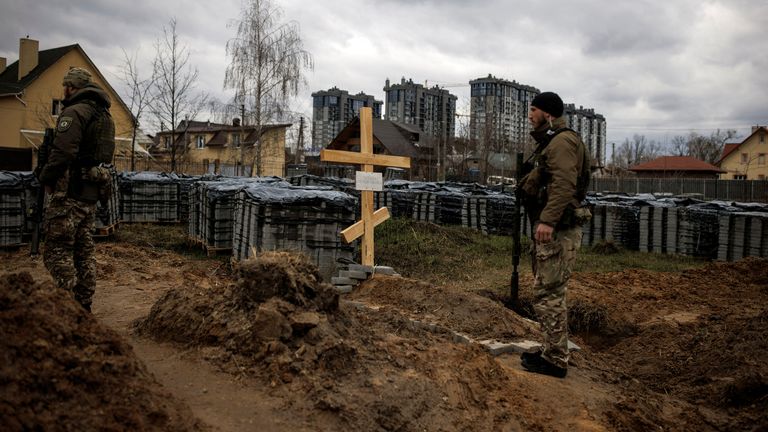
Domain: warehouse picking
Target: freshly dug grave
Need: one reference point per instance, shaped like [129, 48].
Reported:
[277, 301]
[459, 310]
[62, 370]
[357, 368]
[698, 336]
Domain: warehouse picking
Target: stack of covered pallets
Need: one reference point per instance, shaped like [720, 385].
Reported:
[594, 230]
[473, 213]
[149, 197]
[658, 224]
[13, 202]
[698, 228]
[186, 185]
[499, 209]
[212, 209]
[290, 218]
[340, 184]
[743, 234]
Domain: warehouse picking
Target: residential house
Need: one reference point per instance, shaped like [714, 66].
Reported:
[30, 101]
[748, 159]
[225, 148]
[392, 138]
[676, 167]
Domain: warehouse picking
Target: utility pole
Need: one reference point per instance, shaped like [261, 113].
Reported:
[300, 142]
[241, 165]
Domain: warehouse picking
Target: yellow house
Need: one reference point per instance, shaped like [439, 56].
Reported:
[747, 160]
[30, 100]
[224, 148]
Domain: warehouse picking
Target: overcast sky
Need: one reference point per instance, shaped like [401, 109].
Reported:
[655, 67]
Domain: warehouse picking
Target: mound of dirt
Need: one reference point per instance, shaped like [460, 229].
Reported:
[62, 370]
[699, 335]
[358, 368]
[279, 299]
[461, 311]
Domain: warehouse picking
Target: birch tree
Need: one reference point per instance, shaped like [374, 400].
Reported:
[267, 60]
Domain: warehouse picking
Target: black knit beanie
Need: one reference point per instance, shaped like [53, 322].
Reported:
[549, 102]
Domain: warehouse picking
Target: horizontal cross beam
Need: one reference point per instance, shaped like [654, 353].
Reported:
[364, 159]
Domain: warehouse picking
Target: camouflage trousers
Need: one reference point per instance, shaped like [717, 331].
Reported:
[552, 265]
[69, 249]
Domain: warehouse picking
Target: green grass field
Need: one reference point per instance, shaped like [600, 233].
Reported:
[452, 254]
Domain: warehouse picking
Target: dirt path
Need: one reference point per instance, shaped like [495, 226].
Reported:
[130, 282]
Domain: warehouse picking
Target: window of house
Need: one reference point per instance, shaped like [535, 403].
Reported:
[761, 159]
[167, 142]
[200, 141]
[744, 158]
[761, 176]
[55, 107]
[236, 140]
[739, 177]
[762, 138]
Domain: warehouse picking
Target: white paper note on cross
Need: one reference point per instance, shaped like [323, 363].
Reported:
[367, 160]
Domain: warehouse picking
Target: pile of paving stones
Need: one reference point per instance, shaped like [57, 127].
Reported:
[352, 274]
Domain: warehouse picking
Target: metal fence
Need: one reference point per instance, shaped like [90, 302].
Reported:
[727, 190]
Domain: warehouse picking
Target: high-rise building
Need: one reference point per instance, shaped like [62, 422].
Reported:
[499, 112]
[332, 109]
[592, 128]
[432, 110]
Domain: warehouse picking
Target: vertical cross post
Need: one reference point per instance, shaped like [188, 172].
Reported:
[366, 196]
[367, 160]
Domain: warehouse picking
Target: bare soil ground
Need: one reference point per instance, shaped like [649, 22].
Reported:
[667, 351]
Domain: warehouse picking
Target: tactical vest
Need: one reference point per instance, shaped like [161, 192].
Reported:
[535, 203]
[98, 144]
[96, 147]
[582, 180]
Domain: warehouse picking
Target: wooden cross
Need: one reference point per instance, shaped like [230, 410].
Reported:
[367, 160]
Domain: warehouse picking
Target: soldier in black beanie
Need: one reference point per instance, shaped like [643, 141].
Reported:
[553, 193]
[550, 103]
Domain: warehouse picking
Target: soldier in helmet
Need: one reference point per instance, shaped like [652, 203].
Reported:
[74, 176]
[554, 191]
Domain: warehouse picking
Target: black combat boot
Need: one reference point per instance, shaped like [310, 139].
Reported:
[538, 364]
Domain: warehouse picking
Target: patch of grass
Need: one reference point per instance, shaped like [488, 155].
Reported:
[444, 254]
[607, 247]
[164, 237]
[457, 255]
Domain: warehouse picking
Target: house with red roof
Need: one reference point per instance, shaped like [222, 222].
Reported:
[677, 167]
[748, 159]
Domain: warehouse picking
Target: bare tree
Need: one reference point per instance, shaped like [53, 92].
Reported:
[679, 146]
[637, 150]
[139, 95]
[173, 85]
[461, 148]
[267, 60]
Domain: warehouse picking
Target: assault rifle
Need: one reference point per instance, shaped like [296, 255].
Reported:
[522, 170]
[38, 210]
